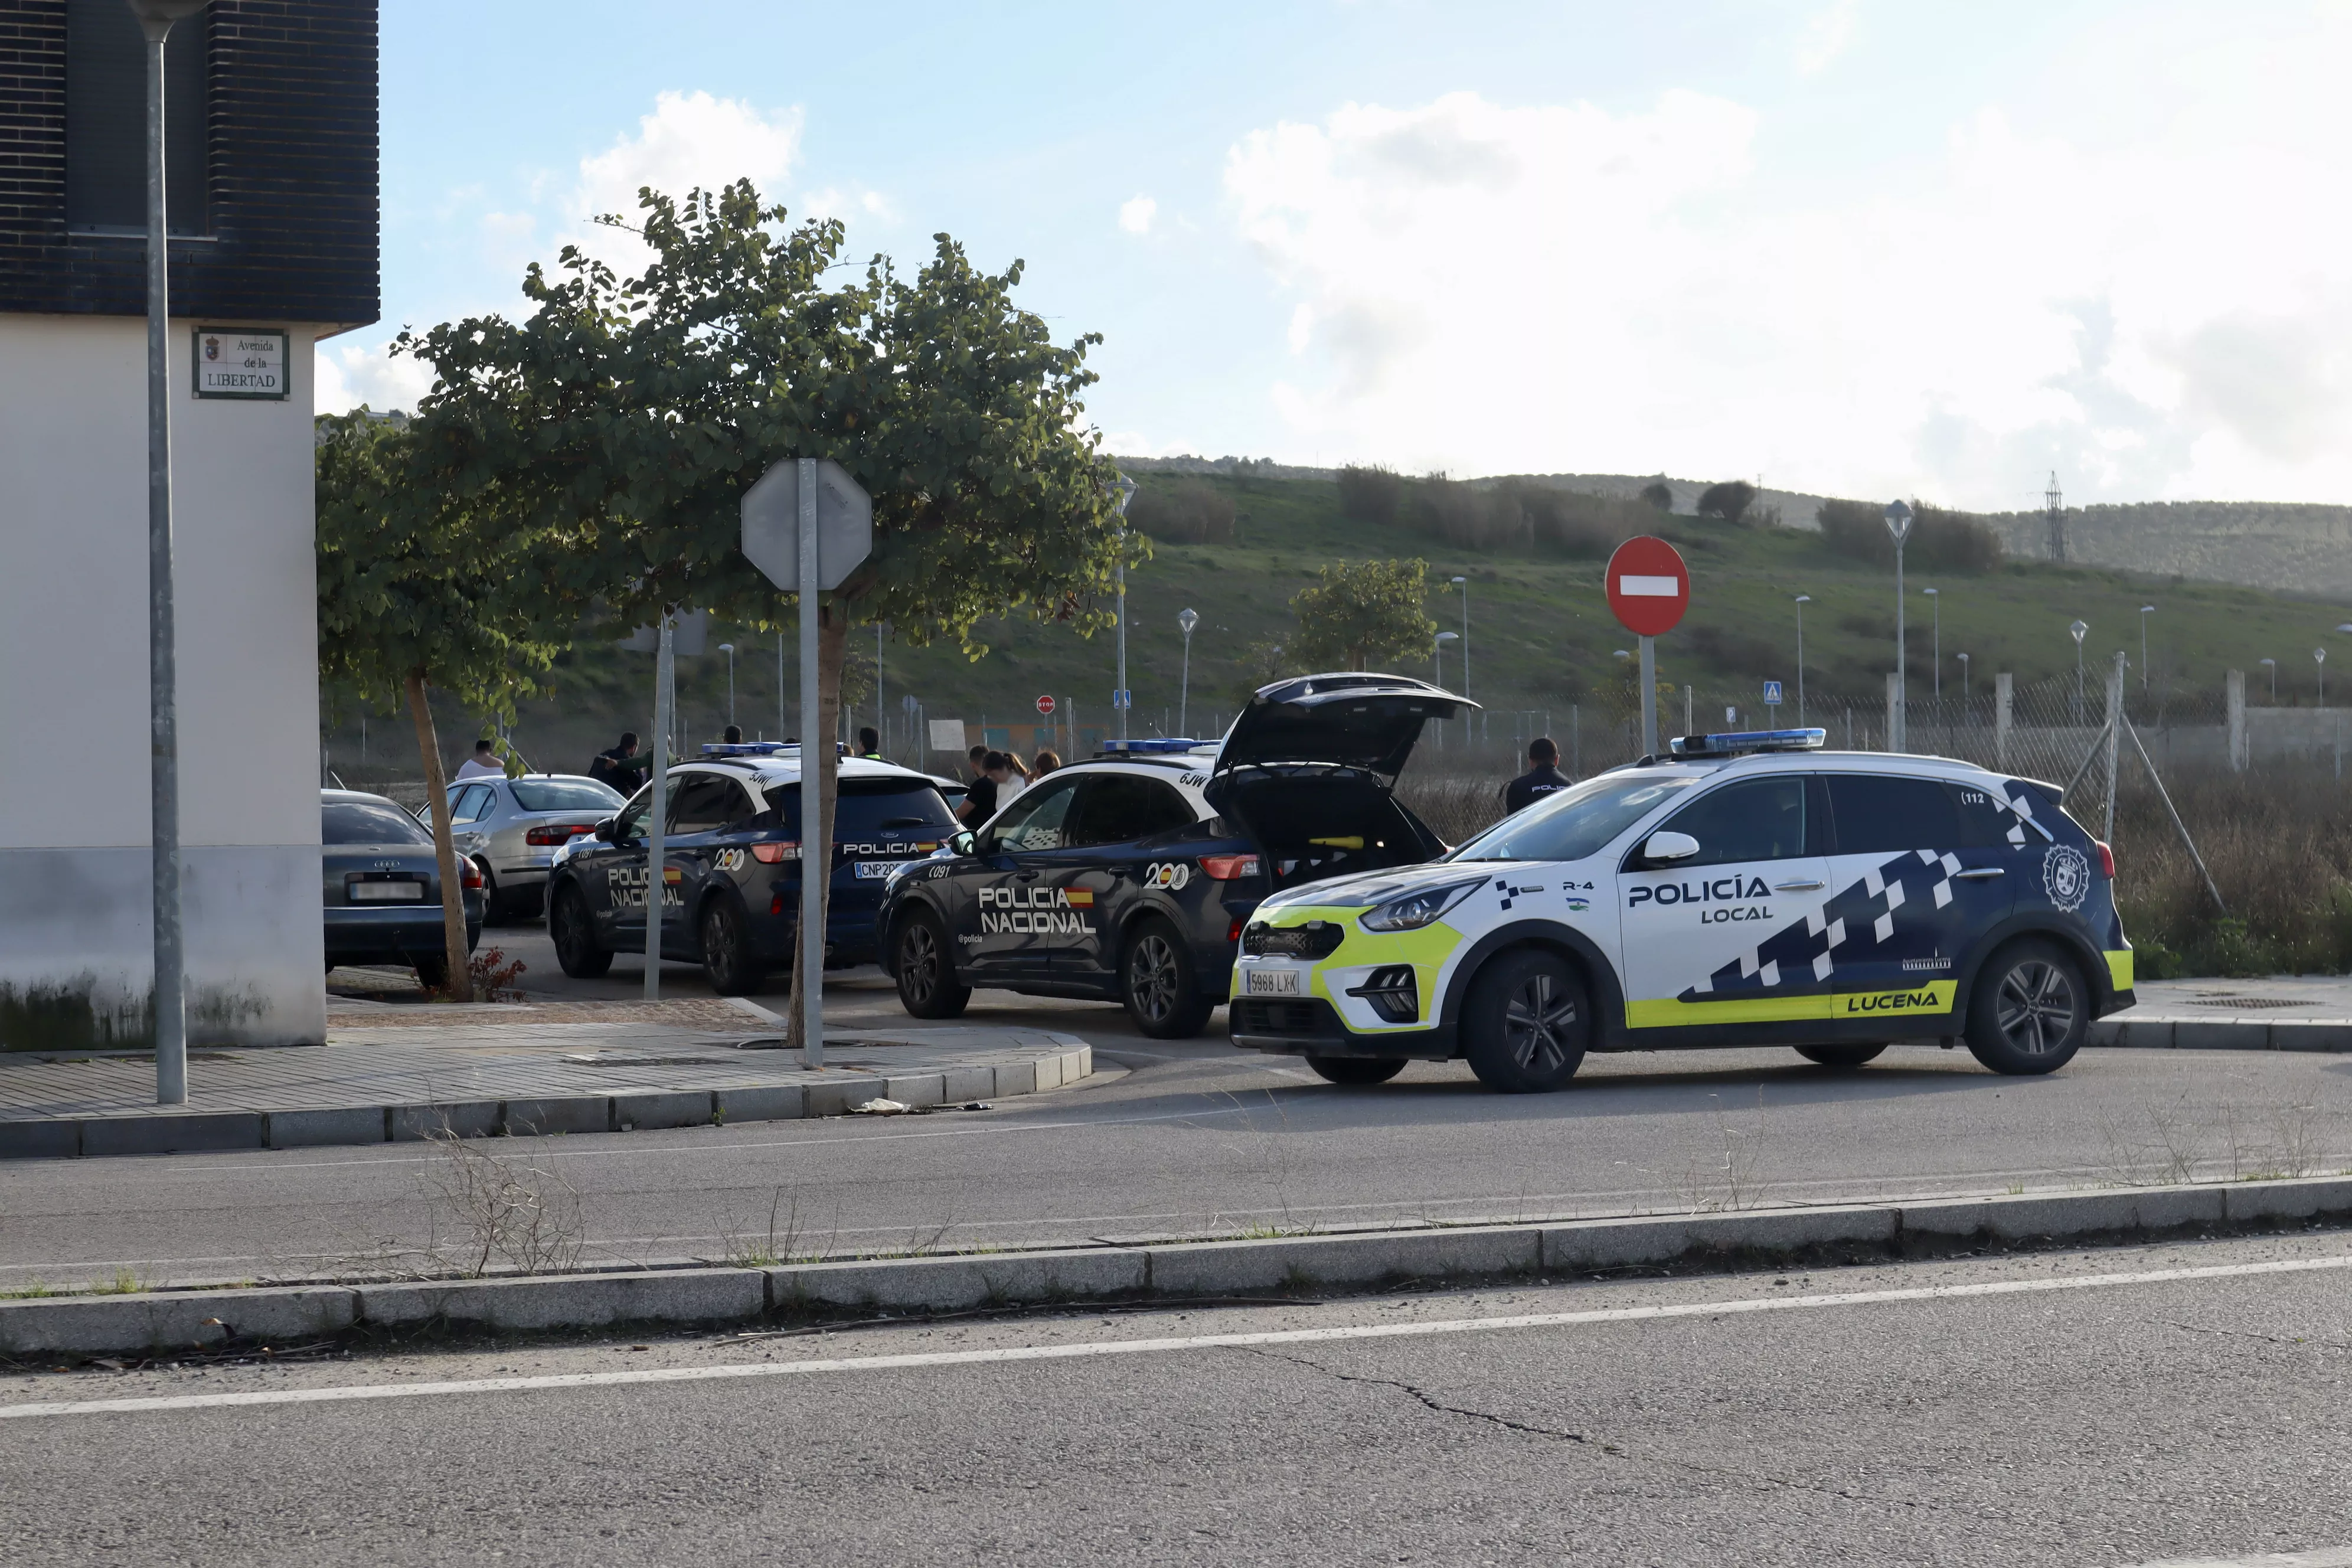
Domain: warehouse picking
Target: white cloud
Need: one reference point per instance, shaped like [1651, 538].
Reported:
[1828, 34]
[690, 139]
[1496, 288]
[1135, 214]
[352, 372]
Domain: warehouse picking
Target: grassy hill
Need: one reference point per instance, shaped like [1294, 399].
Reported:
[1541, 635]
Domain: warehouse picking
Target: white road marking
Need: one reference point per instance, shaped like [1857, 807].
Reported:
[2325, 1557]
[1085, 1348]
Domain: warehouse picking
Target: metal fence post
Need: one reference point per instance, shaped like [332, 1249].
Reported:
[2114, 741]
[2004, 706]
[2234, 683]
[1894, 707]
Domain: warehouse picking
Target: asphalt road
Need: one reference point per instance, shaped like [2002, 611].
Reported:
[2036, 1410]
[1196, 1138]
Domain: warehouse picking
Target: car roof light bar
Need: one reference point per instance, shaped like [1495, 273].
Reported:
[1744, 741]
[1154, 747]
[748, 748]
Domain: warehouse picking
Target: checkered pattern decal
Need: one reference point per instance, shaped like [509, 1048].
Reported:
[1851, 925]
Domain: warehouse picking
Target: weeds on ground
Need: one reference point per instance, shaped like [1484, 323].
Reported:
[507, 1212]
[493, 974]
[2173, 1144]
[1732, 1179]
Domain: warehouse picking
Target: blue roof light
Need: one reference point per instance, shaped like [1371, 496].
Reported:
[1736, 742]
[1155, 746]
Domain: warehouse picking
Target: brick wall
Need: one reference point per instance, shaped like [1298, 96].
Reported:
[292, 171]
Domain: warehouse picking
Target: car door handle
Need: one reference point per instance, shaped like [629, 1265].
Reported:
[1799, 887]
[1115, 870]
[1981, 874]
[1024, 876]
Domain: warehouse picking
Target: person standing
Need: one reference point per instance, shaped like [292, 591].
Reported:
[869, 743]
[1047, 760]
[618, 768]
[483, 764]
[731, 736]
[980, 802]
[1543, 777]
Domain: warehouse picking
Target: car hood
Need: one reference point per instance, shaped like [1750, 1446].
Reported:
[1366, 888]
[1352, 718]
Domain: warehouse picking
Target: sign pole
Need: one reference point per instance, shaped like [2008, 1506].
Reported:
[816, 843]
[1649, 697]
[657, 807]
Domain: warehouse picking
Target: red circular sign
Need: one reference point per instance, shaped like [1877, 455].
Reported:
[1044, 705]
[1649, 586]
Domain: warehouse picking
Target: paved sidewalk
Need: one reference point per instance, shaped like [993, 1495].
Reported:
[2276, 1013]
[391, 1072]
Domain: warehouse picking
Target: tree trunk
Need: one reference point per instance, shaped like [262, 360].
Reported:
[818, 796]
[445, 849]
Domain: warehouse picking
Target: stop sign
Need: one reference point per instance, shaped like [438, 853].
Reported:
[1649, 586]
[1044, 705]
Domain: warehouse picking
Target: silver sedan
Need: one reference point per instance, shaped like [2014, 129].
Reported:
[511, 828]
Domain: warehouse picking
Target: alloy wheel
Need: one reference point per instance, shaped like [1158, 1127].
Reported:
[1151, 977]
[918, 962]
[1535, 1024]
[2036, 1007]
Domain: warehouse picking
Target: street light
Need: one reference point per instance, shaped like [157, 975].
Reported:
[1964, 686]
[155, 19]
[1463, 584]
[1899, 525]
[2319, 658]
[1935, 647]
[1802, 600]
[2145, 611]
[729, 649]
[1126, 488]
[2273, 664]
[2076, 629]
[1187, 619]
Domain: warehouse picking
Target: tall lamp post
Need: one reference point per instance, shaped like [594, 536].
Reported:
[1462, 586]
[729, 649]
[2145, 611]
[2319, 658]
[1802, 600]
[155, 19]
[1936, 645]
[1964, 688]
[2273, 668]
[1438, 656]
[2076, 629]
[1187, 619]
[1898, 526]
[1125, 487]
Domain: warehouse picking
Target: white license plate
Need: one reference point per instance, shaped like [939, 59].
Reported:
[875, 870]
[387, 892]
[1273, 982]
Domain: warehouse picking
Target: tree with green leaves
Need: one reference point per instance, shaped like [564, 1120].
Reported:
[415, 593]
[626, 416]
[1360, 614]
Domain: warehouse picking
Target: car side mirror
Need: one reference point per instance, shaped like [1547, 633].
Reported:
[608, 829]
[1670, 846]
[965, 842]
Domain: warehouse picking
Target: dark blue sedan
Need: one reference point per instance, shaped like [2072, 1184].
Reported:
[382, 887]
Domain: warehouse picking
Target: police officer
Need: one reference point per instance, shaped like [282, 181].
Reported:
[1542, 778]
[869, 743]
[620, 766]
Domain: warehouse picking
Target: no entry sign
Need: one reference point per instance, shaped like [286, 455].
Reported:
[1649, 586]
[1044, 705]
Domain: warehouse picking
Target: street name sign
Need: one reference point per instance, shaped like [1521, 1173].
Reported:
[239, 363]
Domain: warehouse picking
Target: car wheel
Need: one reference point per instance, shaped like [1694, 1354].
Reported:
[927, 982]
[1841, 1055]
[494, 903]
[1526, 1022]
[573, 931]
[2031, 1010]
[433, 972]
[1357, 1070]
[1156, 982]
[726, 956]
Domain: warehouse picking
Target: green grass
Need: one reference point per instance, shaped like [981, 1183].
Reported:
[1542, 633]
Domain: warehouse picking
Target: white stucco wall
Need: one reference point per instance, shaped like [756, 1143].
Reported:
[74, 920]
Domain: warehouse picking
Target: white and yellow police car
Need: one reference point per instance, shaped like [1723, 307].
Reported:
[1745, 889]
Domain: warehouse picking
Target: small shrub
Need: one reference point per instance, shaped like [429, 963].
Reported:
[1182, 511]
[1940, 540]
[1656, 495]
[1727, 502]
[1371, 495]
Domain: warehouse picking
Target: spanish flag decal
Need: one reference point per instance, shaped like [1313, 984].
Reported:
[1080, 897]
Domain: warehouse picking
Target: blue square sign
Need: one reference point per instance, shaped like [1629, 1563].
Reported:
[1771, 692]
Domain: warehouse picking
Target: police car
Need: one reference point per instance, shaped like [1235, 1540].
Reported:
[1745, 889]
[1129, 877]
[731, 864]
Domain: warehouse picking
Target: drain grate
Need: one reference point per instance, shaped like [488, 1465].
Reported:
[2217, 999]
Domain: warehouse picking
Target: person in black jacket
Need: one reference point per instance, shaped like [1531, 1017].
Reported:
[621, 768]
[1543, 777]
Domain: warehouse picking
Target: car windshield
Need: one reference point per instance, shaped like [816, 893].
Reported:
[563, 795]
[1574, 823]
[368, 822]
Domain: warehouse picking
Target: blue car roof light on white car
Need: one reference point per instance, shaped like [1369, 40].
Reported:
[1740, 742]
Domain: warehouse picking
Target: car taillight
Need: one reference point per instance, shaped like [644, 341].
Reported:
[2106, 860]
[775, 854]
[557, 833]
[776, 902]
[1234, 932]
[1226, 868]
[470, 877]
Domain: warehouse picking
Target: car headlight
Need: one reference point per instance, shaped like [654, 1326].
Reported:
[1418, 909]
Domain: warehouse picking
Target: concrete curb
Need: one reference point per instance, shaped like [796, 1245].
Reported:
[175, 1132]
[2222, 1034]
[163, 1323]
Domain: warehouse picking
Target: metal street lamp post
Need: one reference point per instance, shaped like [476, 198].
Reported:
[2274, 666]
[1802, 600]
[1462, 586]
[1438, 656]
[1965, 716]
[729, 649]
[2077, 630]
[2145, 611]
[1187, 619]
[1125, 487]
[171, 1013]
[1899, 525]
[1935, 647]
[2319, 658]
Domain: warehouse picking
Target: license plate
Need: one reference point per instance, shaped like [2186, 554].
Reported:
[1273, 982]
[875, 870]
[409, 892]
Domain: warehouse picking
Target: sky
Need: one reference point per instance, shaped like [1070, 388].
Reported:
[1845, 246]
